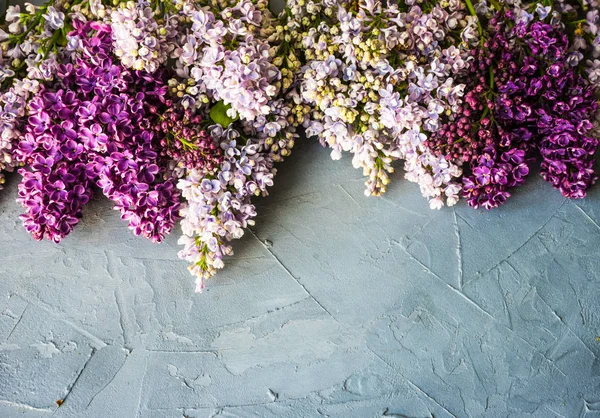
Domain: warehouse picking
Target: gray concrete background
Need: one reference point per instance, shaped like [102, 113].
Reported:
[361, 307]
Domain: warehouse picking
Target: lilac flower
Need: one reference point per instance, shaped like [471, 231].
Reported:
[227, 57]
[218, 209]
[538, 103]
[139, 41]
[77, 137]
[373, 94]
[55, 19]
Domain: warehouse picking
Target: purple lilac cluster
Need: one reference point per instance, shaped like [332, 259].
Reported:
[32, 42]
[94, 126]
[565, 114]
[522, 95]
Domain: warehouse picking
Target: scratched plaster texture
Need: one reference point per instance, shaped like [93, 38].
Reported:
[354, 307]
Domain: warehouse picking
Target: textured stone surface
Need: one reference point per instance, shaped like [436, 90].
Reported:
[358, 307]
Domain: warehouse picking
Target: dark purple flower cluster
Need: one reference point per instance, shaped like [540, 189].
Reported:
[187, 143]
[522, 96]
[95, 125]
[563, 117]
[494, 172]
[568, 156]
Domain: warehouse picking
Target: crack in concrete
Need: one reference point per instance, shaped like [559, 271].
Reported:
[17, 323]
[428, 396]
[108, 383]
[293, 277]
[537, 231]
[26, 406]
[560, 318]
[410, 382]
[139, 402]
[492, 318]
[449, 286]
[569, 329]
[458, 251]
[93, 339]
[348, 194]
[588, 217]
[120, 302]
[479, 379]
[462, 218]
[270, 311]
[504, 302]
[72, 385]
[213, 352]
[292, 198]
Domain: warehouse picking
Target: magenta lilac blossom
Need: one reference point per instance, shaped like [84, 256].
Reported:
[94, 126]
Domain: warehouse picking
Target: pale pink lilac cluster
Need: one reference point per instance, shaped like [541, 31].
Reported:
[226, 56]
[140, 36]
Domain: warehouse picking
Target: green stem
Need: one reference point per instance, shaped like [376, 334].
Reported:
[474, 14]
[496, 5]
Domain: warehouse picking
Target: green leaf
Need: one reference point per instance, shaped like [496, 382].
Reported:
[218, 114]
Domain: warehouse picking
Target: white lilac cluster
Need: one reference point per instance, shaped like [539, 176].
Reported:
[379, 79]
[141, 36]
[226, 53]
[231, 55]
[218, 207]
[31, 45]
[12, 113]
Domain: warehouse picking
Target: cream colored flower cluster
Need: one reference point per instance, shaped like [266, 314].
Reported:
[378, 78]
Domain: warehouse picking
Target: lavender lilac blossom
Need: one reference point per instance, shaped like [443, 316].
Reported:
[226, 53]
[218, 206]
[140, 36]
[31, 44]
